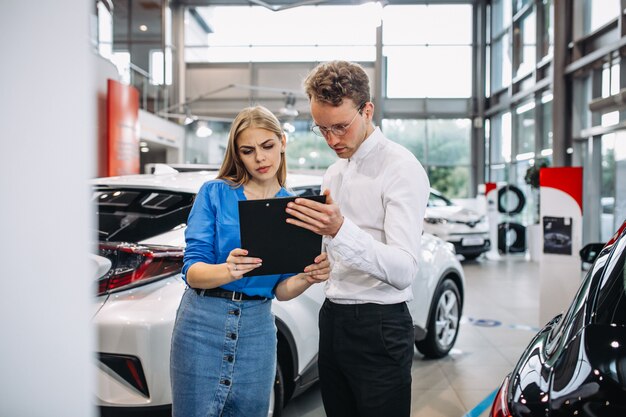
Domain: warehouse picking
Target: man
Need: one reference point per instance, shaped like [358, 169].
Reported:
[372, 225]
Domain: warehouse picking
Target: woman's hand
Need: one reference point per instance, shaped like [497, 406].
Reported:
[238, 263]
[318, 271]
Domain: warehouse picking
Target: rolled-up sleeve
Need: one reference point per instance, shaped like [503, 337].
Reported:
[200, 232]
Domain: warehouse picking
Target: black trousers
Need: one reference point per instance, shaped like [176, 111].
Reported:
[365, 357]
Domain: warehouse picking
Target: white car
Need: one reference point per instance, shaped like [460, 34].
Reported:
[466, 229]
[141, 224]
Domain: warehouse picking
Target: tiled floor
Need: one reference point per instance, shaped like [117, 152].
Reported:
[499, 318]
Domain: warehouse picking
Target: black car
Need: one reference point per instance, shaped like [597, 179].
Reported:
[576, 364]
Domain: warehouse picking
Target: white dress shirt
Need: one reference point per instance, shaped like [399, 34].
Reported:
[382, 191]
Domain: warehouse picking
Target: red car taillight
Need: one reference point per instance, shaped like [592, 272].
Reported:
[137, 264]
[500, 407]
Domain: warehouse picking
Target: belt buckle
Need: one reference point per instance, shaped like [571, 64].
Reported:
[234, 298]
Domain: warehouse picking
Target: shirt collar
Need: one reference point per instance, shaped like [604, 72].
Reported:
[367, 145]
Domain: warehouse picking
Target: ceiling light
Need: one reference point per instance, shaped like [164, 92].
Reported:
[143, 28]
[289, 110]
[203, 130]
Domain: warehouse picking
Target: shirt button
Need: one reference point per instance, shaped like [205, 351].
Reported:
[233, 336]
[230, 358]
[225, 382]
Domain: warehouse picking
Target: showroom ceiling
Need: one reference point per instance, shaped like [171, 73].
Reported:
[284, 4]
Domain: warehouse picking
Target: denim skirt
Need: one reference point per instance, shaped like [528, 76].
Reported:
[223, 357]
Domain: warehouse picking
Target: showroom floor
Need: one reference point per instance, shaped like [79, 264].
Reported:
[499, 318]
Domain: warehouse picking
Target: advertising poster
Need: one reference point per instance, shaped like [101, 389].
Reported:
[557, 235]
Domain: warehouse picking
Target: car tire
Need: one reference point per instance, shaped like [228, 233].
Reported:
[277, 401]
[511, 199]
[443, 321]
[471, 257]
[511, 238]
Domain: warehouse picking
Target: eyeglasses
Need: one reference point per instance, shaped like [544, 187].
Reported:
[337, 130]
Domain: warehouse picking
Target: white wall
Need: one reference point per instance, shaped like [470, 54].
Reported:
[47, 136]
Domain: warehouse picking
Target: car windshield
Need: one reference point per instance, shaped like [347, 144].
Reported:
[610, 306]
[132, 215]
[437, 200]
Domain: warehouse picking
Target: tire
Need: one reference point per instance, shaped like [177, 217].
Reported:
[511, 199]
[277, 400]
[511, 238]
[443, 321]
[471, 257]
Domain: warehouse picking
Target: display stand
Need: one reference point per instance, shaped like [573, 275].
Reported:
[493, 217]
[561, 237]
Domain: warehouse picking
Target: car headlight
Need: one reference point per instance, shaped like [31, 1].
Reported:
[435, 220]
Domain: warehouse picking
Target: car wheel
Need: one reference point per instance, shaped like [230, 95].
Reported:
[471, 257]
[277, 400]
[443, 322]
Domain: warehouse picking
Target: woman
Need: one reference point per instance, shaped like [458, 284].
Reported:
[223, 357]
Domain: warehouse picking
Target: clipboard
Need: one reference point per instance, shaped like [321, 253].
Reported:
[283, 247]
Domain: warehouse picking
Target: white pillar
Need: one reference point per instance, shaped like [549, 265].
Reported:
[47, 138]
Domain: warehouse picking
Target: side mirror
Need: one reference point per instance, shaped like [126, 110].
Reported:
[590, 252]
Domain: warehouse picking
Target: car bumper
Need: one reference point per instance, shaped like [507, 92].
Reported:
[136, 326]
[465, 246]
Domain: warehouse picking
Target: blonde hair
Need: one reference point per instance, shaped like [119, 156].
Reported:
[233, 169]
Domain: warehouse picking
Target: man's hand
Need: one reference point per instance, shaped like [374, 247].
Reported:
[323, 219]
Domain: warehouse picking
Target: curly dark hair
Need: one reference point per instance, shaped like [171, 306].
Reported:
[332, 82]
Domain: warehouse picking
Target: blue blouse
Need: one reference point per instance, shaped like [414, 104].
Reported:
[213, 231]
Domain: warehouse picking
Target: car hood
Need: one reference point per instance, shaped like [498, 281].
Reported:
[453, 213]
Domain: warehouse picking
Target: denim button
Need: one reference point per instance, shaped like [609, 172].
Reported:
[230, 358]
[233, 336]
[235, 312]
[225, 382]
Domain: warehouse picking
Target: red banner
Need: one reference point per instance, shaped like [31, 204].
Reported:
[122, 129]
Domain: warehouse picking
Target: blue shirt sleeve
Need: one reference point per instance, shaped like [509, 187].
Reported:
[200, 232]
[213, 231]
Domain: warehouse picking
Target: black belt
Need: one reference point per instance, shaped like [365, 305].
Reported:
[231, 295]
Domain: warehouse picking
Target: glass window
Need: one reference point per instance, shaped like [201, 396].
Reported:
[607, 188]
[500, 16]
[546, 125]
[446, 71]
[409, 133]
[289, 35]
[500, 142]
[610, 80]
[305, 150]
[419, 50]
[525, 44]
[452, 181]
[421, 24]
[600, 12]
[105, 30]
[547, 28]
[525, 130]
[519, 4]
[441, 145]
[209, 149]
[501, 66]
[448, 141]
